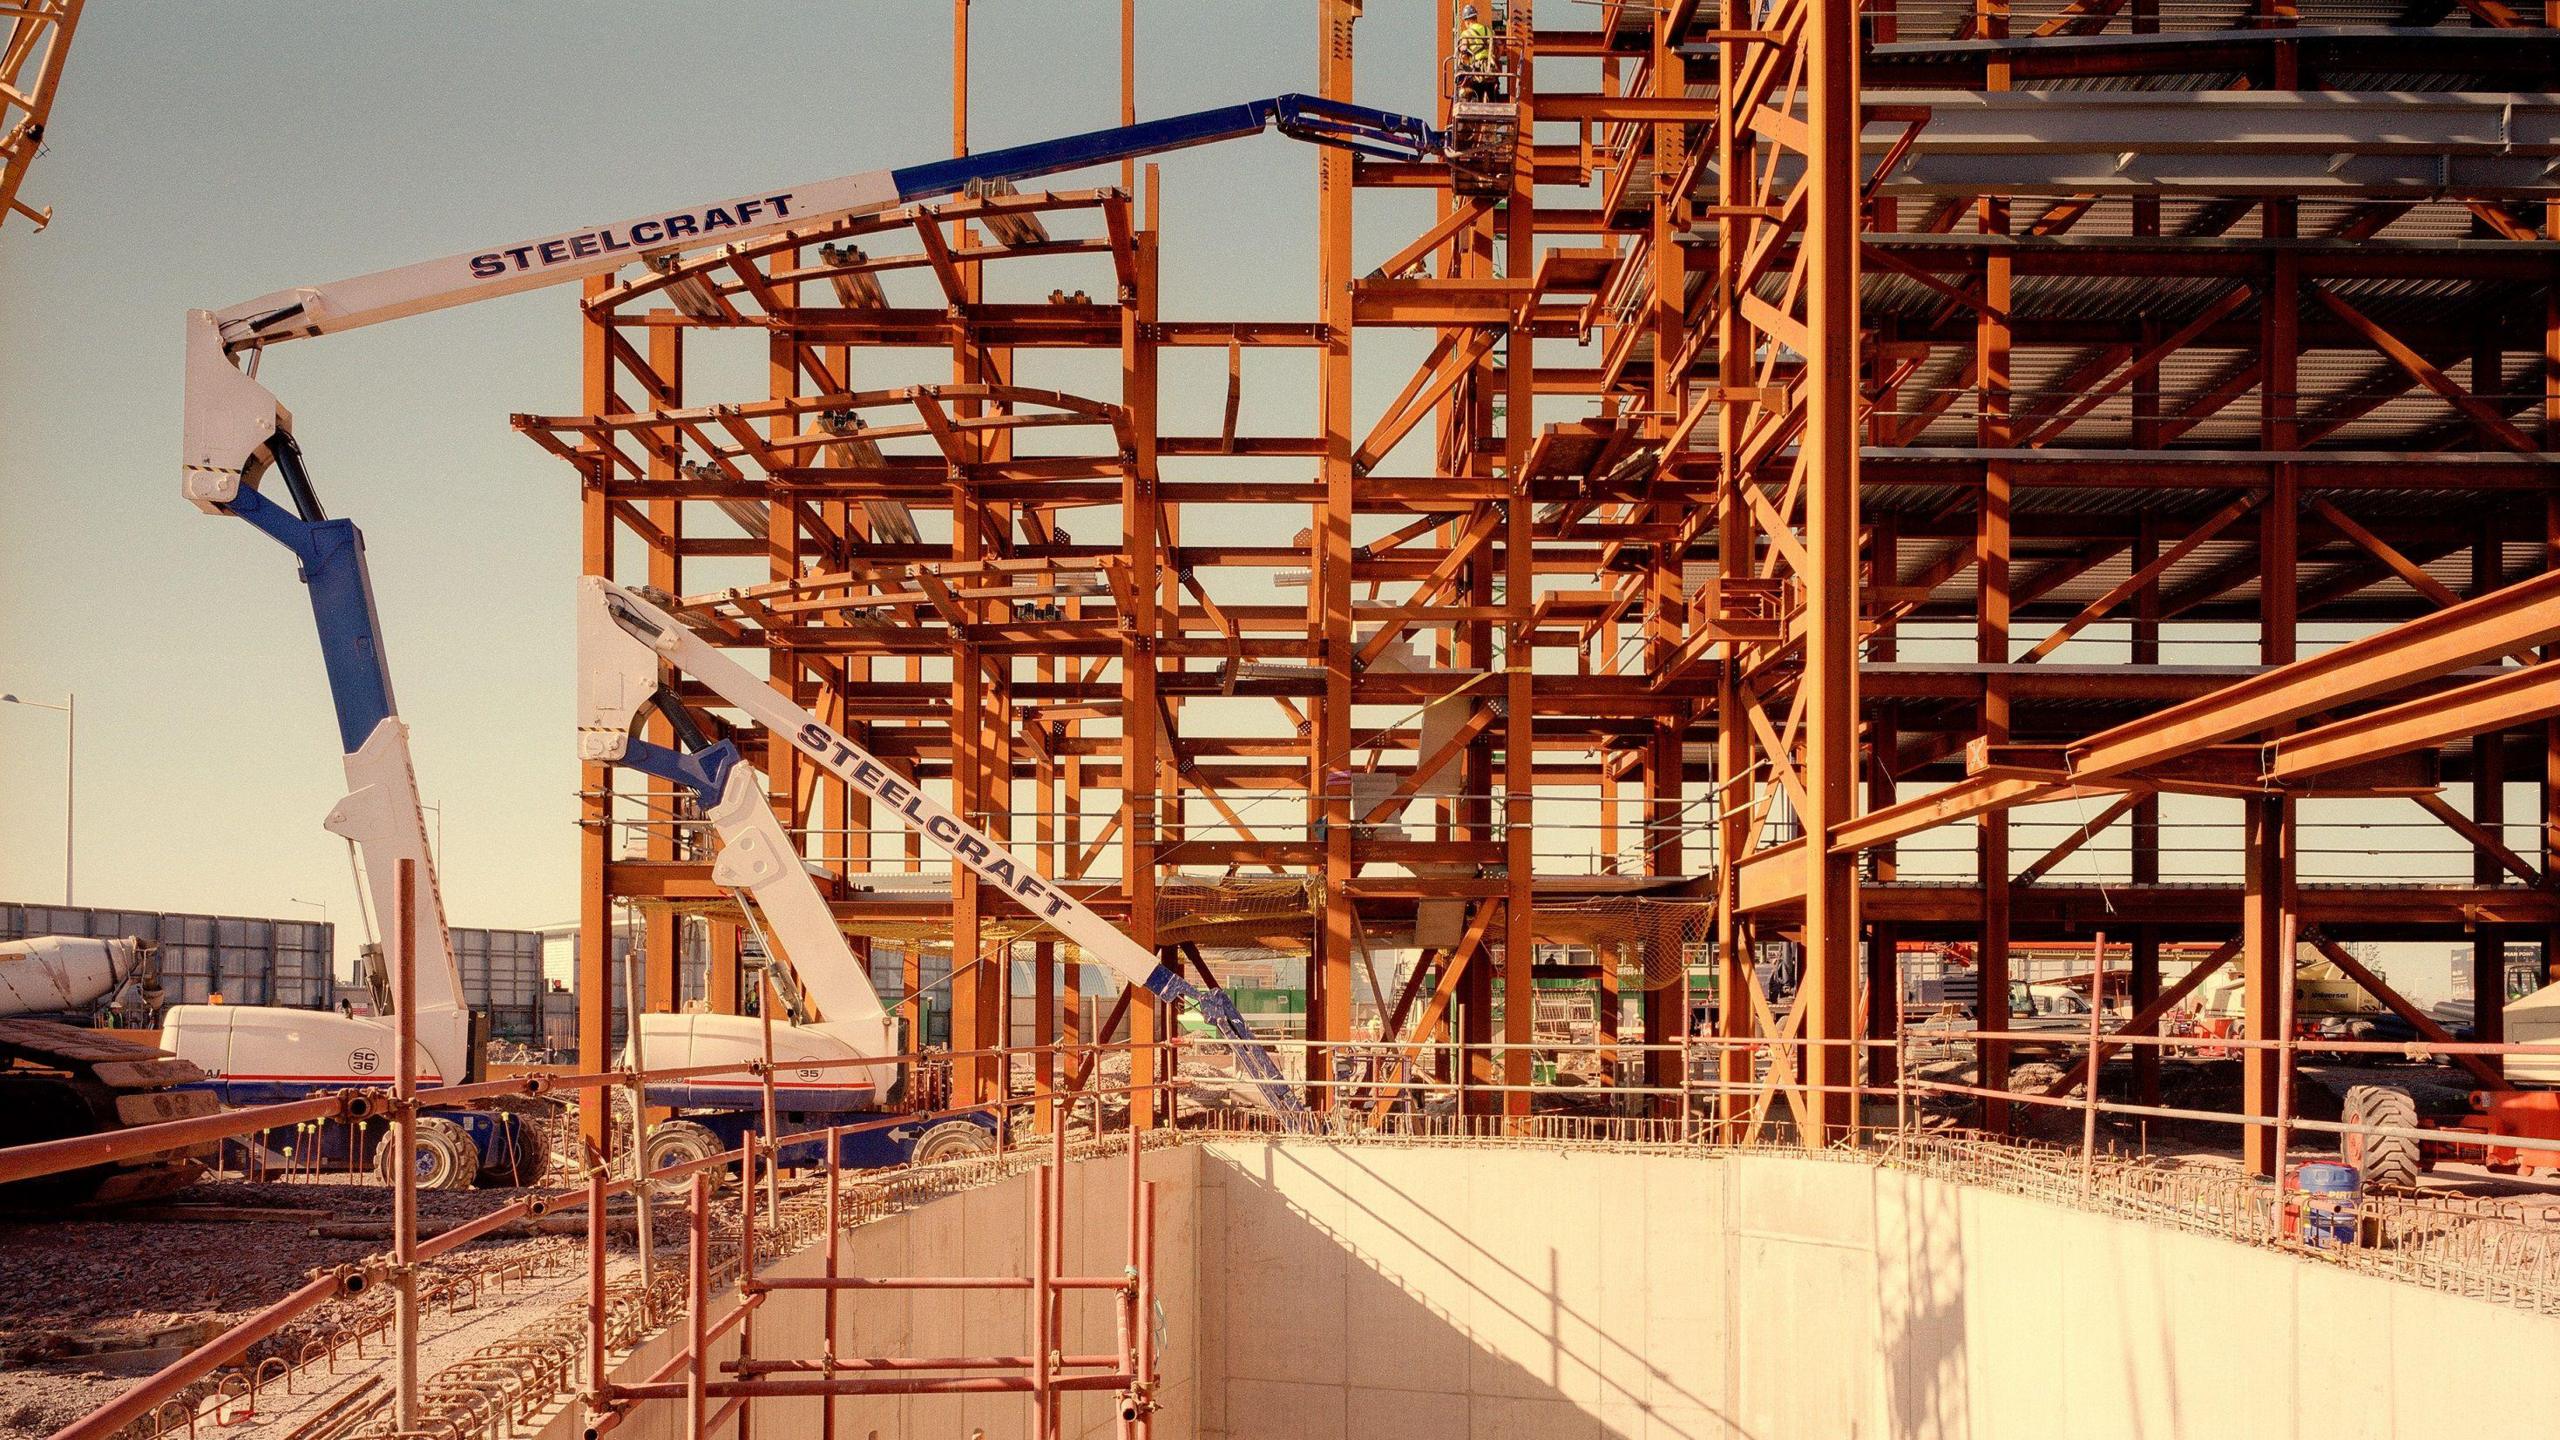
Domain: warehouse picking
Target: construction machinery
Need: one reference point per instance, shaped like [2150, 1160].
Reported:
[2327, 1004]
[64, 1073]
[257, 1054]
[2391, 1146]
[624, 637]
[237, 434]
[834, 1056]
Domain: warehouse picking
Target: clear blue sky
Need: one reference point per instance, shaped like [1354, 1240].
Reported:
[203, 154]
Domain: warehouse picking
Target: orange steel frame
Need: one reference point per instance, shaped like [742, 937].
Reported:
[1720, 431]
[32, 52]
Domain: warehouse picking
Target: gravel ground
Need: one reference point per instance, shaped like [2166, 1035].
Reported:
[77, 1289]
[2319, 1094]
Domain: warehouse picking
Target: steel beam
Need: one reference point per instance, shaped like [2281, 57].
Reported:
[2523, 614]
[1832, 965]
[2484, 707]
[2360, 145]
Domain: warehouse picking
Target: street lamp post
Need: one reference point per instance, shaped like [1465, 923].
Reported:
[70, 776]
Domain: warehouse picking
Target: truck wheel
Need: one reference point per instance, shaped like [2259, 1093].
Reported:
[951, 1140]
[446, 1158]
[2390, 1162]
[523, 1157]
[681, 1142]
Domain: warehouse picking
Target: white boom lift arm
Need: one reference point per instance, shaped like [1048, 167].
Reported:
[234, 425]
[236, 432]
[623, 639]
[761, 869]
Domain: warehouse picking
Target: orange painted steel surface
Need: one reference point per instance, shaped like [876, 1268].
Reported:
[1731, 480]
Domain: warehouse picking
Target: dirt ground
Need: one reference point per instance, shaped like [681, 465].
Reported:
[2319, 1094]
[89, 1302]
[92, 1301]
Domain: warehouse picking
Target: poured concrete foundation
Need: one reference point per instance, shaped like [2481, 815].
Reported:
[1314, 1292]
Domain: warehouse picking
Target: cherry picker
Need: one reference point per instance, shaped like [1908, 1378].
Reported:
[238, 434]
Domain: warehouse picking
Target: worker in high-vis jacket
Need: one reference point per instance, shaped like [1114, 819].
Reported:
[1475, 54]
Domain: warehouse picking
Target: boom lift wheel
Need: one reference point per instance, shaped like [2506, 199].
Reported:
[2392, 1162]
[681, 1142]
[951, 1140]
[446, 1158]
[524, 1157]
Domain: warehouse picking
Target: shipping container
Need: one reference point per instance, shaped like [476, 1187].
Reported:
[243, 960]
[502, 978]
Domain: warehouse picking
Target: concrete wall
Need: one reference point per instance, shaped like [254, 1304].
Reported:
[1323, 1293]
[1433, 1294]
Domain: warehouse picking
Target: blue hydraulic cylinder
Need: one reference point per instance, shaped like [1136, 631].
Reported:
[331, 553]
[705, 772]
[1252, 1056]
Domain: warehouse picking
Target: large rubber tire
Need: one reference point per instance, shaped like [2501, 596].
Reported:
[2387, 1162]
[524, 1157]
[951, 1140]
[681, 1142]
[37, 1107]
[446, 1158]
